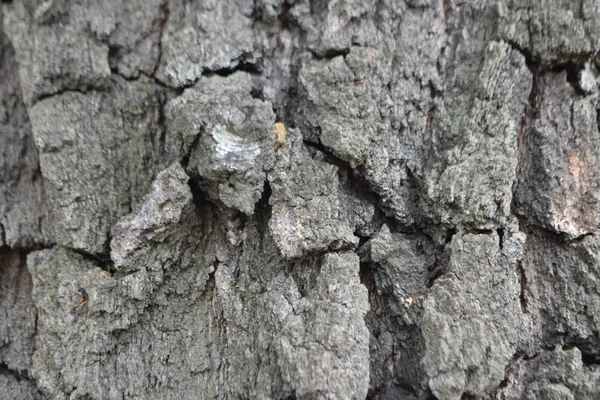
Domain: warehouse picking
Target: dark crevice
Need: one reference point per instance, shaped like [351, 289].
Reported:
[361, 239]
[238, 64]
[530, 60]
[428, 120]
[19, 375]
[329, 54]
[113, 58]
[508, 373]
[25, 250]
[523, 284]
[479, 231]
[573, 67]
[366, 274]
[598, 118]
[588, 347]
[550, 234]
[102, 261]
[573, 70]
[284, 18]
[529, 114]
[500, 232]
[449, 235]
[262, 210]
[242, 65]
[165, 10]
[356, 183]
[199, 198]
[435, 275]
[83, 90]
[211, 284]
[256, 92]
[574, 61]
[580, 238]
[185, 160]
[590, 359]
[160, 145]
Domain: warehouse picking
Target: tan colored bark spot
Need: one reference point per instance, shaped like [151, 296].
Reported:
[576, 166]
[280, 132]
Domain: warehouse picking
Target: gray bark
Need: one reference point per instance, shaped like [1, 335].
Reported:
[311, 199]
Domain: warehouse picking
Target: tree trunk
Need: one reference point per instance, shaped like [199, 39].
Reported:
[279, 199]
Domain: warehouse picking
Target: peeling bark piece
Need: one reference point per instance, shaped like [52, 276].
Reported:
[131, 29]
[124, 327]
[555, 374]
[553, 32]
[474, 165]
[472, 319]
[329, 358]
[53, 52]
[25, 214]
[17, 312]
[204, 36]
[73, 45]
[396, 269]
[336, 25]
[228, 136]
[149, 238]
[564, 289]
[343, 114]
[306, 200]
[368, 104]
[95, 157]
[559, 186]
[408, 36]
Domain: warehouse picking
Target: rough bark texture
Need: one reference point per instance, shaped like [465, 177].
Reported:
[309, 199]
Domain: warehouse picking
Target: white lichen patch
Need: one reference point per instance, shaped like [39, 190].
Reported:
[234, 151]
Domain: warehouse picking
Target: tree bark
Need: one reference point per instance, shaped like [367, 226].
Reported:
[311, 199]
